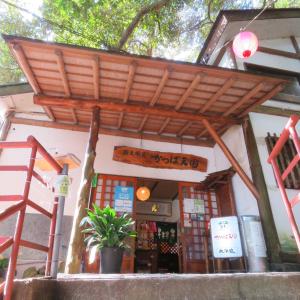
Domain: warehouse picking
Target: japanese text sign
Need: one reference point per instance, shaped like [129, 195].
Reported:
[124, 196]
[226, 240]
[162, 160]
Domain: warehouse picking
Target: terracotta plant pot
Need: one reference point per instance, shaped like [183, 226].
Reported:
[111, 260]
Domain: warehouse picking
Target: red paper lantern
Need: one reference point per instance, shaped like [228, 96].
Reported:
[245, 44]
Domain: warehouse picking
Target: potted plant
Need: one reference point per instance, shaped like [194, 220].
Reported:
[108, 232]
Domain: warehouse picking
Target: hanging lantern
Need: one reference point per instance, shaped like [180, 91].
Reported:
[245, 44]
[143, 193]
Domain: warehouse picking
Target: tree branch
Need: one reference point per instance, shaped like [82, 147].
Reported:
[144, 11]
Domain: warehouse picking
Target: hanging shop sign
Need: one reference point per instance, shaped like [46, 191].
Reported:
[226, 240]
[157, 159]
[124, 196]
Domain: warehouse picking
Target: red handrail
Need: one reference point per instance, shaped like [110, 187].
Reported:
[288, 131]
[20, 207]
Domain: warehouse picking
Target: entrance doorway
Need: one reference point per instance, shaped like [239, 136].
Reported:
[158, 223]
[172, 237]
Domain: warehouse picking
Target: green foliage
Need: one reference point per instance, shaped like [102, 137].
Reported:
[175, 26]
[13, 22]
[3, 263]
[105, 229]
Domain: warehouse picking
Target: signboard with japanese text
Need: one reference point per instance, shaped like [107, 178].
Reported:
[123, 197]
[162, 160]
[226, 240]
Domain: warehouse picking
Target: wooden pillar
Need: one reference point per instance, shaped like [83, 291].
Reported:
[231, 158]
[265, 211]
[76, 246]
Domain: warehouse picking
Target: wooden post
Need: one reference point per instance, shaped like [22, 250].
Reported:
[265, 211]
[76, 245]
[232, 160]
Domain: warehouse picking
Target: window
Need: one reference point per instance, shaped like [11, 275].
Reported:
[283, 160]
[291, 92]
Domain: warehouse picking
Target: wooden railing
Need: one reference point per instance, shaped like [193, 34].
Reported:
[288, 131]
[20, 203]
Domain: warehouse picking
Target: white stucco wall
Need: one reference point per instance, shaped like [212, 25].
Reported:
[262, 124]
[234, 139]
[60, 142]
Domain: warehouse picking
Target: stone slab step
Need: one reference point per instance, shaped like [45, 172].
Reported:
[273, 286]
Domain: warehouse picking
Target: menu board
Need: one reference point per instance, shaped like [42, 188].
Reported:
[226, 240]
[124, 196]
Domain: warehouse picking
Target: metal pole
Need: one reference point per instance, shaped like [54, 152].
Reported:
[58, 228]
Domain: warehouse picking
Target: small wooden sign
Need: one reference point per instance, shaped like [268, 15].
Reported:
[162, 160]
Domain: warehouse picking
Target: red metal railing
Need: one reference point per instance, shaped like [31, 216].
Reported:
[20, 204]
[288, 131]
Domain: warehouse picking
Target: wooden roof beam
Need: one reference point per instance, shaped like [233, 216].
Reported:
[115, 132]
[244, 99]
[89, 104]
[226, 86]
[62, 70]
[131, 73]
[184, 128]
[189, 90]
[266, 97]
[184, 97]
[235, 164]
[23, 62]
[164, 125]
[96, 76]
[157, 94]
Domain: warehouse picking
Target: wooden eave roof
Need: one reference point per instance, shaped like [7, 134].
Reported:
[139, 96]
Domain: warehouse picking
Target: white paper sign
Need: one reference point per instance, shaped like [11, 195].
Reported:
[258, 240]
[62, 185]
[193, 206]
[226, 240]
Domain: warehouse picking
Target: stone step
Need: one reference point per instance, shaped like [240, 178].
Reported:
[273, 286]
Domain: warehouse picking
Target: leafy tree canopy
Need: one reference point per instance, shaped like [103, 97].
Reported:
[153, 27]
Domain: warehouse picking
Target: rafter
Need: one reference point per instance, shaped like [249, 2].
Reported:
[18, 50]
[227, 85]
[19, 53]
[189, 90]
[131, 73]
[266, 97]
[295, 44]
[164, 125]
[62, 71]
[96, 76]
[184, 128]
[245, 98]
[157, 94]
[184, 97]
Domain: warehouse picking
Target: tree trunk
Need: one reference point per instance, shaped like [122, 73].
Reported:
[264, 207]
[76, 245]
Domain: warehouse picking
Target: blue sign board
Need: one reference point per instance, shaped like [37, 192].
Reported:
[124, 196]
